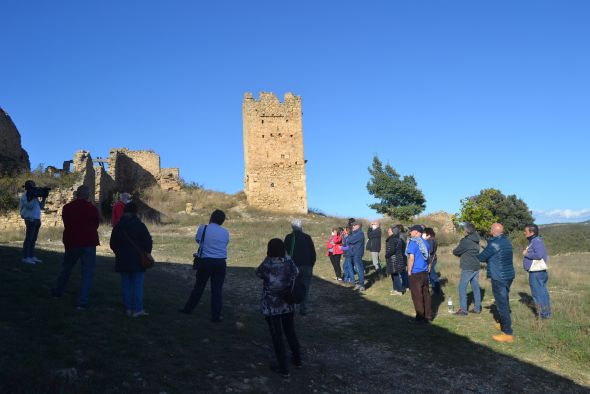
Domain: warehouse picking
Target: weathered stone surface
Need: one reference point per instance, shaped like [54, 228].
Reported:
[83, 165]
[13, 158]
[273, 153]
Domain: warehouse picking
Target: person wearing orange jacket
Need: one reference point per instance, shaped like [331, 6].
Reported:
[334, 251]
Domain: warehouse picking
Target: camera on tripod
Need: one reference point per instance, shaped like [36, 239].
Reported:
[41, 192]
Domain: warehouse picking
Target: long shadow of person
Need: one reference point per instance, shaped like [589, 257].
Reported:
[470, 298]
[527, 300]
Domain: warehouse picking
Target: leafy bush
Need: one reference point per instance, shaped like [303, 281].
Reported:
[491, 206]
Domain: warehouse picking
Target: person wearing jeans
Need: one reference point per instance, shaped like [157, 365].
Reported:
[278, 271]
[395, 257]
[129, 238]
[30, 211]
[80, 238]
[356, 243]
[212, 255]
[467, 251]
[472, 278]
[537, 277]
[500, 268]
[501, 291]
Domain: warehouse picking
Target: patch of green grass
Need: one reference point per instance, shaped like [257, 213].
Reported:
[351, 343]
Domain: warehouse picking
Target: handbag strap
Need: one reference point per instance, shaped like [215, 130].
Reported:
[292, 245]
[200, 252]
[132, 242]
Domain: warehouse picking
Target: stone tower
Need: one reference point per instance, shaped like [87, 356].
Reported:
[273, 153]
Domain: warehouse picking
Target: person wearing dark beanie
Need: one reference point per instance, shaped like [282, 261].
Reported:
[278, 273]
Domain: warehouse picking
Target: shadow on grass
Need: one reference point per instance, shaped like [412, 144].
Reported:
[350, 344]
[528, 301]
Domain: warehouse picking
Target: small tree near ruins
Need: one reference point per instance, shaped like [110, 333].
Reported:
[399, 197]
[491, 206]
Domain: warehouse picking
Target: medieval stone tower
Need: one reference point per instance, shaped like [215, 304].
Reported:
[273, 152]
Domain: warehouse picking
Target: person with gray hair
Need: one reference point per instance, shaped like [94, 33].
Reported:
[80, 238]
[467, 251]
[300, 247]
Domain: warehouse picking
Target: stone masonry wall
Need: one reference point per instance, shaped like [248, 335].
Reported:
[133, 170]
[273, 153]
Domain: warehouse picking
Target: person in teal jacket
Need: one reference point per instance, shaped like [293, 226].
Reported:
[498, 256]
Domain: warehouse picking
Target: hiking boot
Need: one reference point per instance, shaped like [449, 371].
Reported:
[503, 337]
[460, 312]
[474, 311]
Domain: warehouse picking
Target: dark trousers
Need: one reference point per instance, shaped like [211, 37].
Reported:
[31, 233]
[278, 325]
[208, 268]
[501, 290]
[421, 295]
[335, 260]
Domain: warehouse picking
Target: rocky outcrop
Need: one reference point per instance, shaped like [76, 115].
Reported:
[13, 158]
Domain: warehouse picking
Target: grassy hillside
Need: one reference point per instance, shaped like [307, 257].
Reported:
[352, 343]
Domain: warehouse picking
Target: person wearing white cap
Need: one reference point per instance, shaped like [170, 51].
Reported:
[119, 207]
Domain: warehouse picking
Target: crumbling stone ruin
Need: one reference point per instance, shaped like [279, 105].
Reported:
[13, 158]
[273, 153]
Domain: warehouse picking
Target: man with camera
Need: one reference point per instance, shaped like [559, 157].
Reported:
[30, 205]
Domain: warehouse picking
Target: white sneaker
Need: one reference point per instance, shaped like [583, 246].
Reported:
[36, 260]
[140, 313]
[28, 260]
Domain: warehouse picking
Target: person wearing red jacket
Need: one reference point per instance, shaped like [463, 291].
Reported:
[80, 238]
[334, 251]
[119, 207]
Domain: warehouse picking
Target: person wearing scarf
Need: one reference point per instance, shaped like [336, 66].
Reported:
[418, 270]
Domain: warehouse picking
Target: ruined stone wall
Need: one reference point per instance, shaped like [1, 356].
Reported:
[273, 153]
[104, 184]
[84, 166]
[133, 170]
[170, 179]
[13, 158]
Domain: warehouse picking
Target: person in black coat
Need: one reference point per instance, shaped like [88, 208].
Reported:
[374, 244]
[300, 247]
[129, 235]
[395, 256]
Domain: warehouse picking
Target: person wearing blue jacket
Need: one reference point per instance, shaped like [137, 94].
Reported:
[347, 266]
[500, 269]
[537, 278]
[356, 242]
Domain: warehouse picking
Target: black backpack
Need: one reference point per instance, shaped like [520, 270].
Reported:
[296, 293]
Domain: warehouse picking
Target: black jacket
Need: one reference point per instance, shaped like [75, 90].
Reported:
[304, 250]
[395, 257]
[127, 258]
[468, 251]
[374, 239]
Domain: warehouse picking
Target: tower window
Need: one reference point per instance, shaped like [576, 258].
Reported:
[272, 184]
[262, 121]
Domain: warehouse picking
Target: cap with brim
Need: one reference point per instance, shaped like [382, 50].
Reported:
[417, 227]
[356, 223]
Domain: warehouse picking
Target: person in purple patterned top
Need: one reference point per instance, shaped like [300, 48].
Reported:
[278, 272]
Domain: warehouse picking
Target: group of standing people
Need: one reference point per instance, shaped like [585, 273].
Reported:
[411, 260]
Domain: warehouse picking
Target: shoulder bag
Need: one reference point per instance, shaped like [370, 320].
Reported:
[538, 265]
[147, 261]
[197, 257]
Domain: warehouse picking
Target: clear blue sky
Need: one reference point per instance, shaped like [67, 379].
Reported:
[464, 95]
